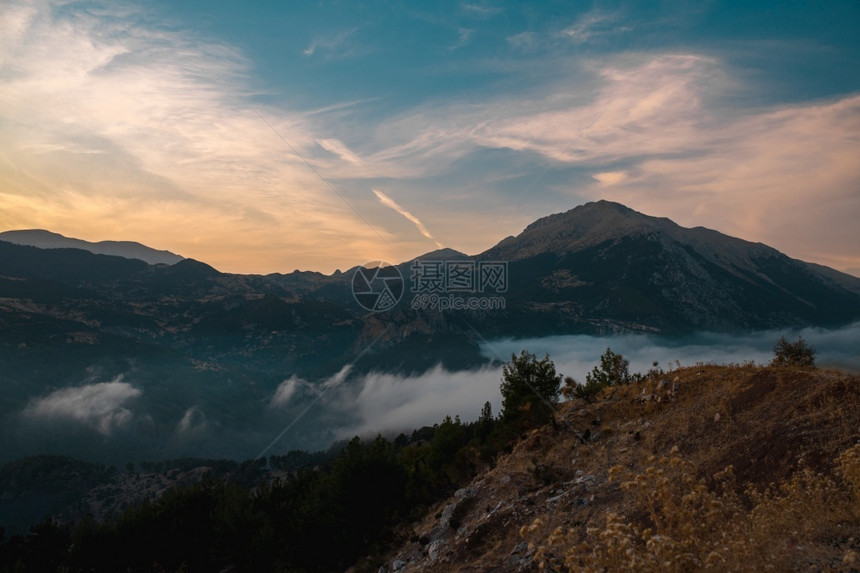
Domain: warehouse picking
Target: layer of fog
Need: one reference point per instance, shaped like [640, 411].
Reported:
[101, 406]
[388, 403]
[116, 420]
[576, 355]
[295, 387]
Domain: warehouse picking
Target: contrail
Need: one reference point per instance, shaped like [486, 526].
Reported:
[338, 148]
[389, 202]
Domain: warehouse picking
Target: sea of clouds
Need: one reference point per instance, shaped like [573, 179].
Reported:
[122, 419]
[387, 403]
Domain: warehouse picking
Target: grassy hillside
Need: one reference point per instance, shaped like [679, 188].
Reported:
[730, 467]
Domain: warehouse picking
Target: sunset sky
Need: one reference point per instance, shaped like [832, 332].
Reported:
[269, 136]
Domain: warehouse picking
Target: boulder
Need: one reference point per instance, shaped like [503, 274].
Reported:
[433, 552]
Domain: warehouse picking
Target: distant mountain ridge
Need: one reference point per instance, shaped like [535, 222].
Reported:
[127, 249]
[604, 261]
[196, 340]
[594, 223]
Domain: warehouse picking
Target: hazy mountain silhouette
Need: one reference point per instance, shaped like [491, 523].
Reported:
[128, 249]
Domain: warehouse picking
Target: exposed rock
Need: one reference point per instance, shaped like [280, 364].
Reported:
[520, 547]
[433, 552]
[447, 513]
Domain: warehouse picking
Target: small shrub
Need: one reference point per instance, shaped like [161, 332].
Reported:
[530, 389]
[587, 391]
[797, 353]
[612, 371]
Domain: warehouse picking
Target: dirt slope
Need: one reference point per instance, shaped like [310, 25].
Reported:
[665, 439]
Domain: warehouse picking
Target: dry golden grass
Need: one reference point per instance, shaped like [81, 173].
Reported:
[745, 468]
[690, 526]
[760, 474]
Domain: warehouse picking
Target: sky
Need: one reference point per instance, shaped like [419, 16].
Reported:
[271, 136]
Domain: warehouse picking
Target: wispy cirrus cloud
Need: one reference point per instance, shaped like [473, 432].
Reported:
[592, 24]
[481, 9]
[463, 37]
[650, 132]
[523, 40]
[330, 45]
[117, 125]
[176, 154]
[653, 107]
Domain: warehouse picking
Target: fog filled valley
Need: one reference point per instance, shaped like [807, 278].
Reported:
[115, 414]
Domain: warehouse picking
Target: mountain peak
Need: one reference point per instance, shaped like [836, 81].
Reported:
[444, 254]
[603, 259]
[602, 214]
[585, 225]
